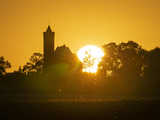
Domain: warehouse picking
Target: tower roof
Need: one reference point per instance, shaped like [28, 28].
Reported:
[49, 29]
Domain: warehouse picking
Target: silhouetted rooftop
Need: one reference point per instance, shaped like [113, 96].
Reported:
[49, 29]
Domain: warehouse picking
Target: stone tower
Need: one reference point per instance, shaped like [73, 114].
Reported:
[48, 48]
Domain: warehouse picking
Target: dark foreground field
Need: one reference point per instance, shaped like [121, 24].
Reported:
[86, 109]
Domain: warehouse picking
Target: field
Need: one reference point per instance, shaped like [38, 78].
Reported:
[79, 109]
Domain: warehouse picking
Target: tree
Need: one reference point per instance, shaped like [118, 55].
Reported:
[124, 64]
[35, 63]
[110, 62]
[123, 57]
[132, 59]
[3, 66]
[64, 55]
[152, 71]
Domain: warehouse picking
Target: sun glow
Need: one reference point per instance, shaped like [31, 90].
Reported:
[90, 56]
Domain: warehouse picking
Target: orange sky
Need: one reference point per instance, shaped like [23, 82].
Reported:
[76, 23]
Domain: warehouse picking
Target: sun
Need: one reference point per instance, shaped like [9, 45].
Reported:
[90, 56]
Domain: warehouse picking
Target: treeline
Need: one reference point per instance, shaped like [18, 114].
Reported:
[126, 70]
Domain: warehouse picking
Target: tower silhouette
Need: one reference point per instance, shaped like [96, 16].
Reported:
[48, 48]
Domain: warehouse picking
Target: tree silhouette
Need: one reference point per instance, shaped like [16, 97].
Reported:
[35, 63]
[64, 55]
[110, 62]
[124, 64]
[3, 66]
[123, 57]
[152, 71]
[131, 59]
[125, 69]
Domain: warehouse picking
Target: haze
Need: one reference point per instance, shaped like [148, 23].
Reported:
[76, 23]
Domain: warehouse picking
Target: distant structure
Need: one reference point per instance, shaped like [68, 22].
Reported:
[48, 48]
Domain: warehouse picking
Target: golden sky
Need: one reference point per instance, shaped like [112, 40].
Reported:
[76, 23]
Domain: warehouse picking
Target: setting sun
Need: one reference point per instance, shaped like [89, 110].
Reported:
[90, 56]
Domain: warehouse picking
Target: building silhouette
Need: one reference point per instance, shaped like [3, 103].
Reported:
[48, 48]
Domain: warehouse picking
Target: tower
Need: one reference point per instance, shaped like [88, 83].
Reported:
[48, 48]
